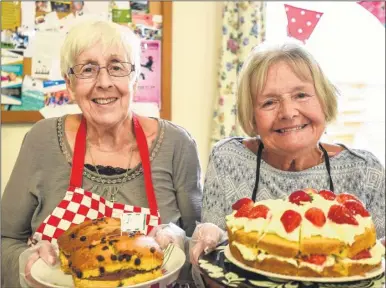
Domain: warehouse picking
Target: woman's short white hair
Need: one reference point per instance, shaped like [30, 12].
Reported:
[86, 34]
[252, 77]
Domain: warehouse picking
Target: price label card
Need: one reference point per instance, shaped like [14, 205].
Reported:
[132, 222]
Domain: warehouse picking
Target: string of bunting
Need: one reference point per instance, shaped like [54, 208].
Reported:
[301, 22]
[377, 8]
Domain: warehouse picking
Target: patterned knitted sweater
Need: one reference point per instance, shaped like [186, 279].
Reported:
[232, 170]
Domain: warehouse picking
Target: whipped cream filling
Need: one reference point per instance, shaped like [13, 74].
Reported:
[330, 261]
[377, 251]
[263, 256]
[248, 253]
[252, 254]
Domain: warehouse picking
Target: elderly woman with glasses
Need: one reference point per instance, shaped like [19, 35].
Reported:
[104, 162]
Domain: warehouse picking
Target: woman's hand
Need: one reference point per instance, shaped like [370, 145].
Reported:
[206, 237]
[44, 250]
[168, 234]
[383, 241]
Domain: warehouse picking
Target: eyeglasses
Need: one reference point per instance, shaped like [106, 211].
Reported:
[90, 71]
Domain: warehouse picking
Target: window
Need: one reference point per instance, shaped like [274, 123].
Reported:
[349, 44]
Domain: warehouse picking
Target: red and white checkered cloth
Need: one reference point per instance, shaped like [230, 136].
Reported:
[79, 205]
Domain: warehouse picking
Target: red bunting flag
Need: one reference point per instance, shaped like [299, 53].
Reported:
[376, 8]
[301, 22]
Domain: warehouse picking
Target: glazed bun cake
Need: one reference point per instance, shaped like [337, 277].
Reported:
[310, 234]
[97, 255]
[84, 235]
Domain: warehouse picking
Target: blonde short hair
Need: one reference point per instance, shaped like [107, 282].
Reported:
[86, 34]
[252, 77]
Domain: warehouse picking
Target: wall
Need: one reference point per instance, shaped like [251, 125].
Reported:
[196, 44]
[195, 57]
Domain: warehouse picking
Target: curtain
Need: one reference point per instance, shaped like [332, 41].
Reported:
[243, 28]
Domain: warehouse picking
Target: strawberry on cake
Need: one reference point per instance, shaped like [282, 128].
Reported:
[311, 233]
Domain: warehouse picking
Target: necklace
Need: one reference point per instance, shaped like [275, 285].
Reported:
[112, 192]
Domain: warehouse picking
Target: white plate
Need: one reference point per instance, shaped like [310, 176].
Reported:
[54, 277]
[368, 275]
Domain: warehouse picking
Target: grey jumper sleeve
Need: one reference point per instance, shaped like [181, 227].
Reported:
[17, 207]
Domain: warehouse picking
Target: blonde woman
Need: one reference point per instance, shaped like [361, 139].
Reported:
[285, 102]
[145, 164]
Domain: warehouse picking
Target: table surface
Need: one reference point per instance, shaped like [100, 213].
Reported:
[222, 271]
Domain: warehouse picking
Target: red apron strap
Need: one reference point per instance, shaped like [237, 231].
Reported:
[80, 152]
[79, 155]
[144, 153]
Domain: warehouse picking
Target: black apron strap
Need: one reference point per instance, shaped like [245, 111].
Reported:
[327, 160]
[259, 154]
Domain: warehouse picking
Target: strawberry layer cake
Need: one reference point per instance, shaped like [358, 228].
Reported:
[311, 234]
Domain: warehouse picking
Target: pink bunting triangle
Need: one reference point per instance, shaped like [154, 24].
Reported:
[301, 22]
[376, 8]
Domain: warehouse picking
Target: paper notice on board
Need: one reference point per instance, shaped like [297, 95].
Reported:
[41, 66]
[32, 96]
[58, 111]
[121, 12]
[148, 26]
[28, 15]
[10, 15]
[11, 76]
[146, 109]
[45, 49]
[49, 21]
[99, 9]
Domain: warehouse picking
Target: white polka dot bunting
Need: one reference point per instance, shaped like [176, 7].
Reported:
[301, 22]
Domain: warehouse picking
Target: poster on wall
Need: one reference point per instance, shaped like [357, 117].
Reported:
[149, 84]
[11, 76]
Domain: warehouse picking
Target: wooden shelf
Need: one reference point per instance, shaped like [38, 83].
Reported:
[156, 7]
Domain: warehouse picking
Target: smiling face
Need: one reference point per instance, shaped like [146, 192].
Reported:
[104, 100]
[288, 113]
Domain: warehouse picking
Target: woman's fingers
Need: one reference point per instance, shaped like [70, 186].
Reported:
[47, 253]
